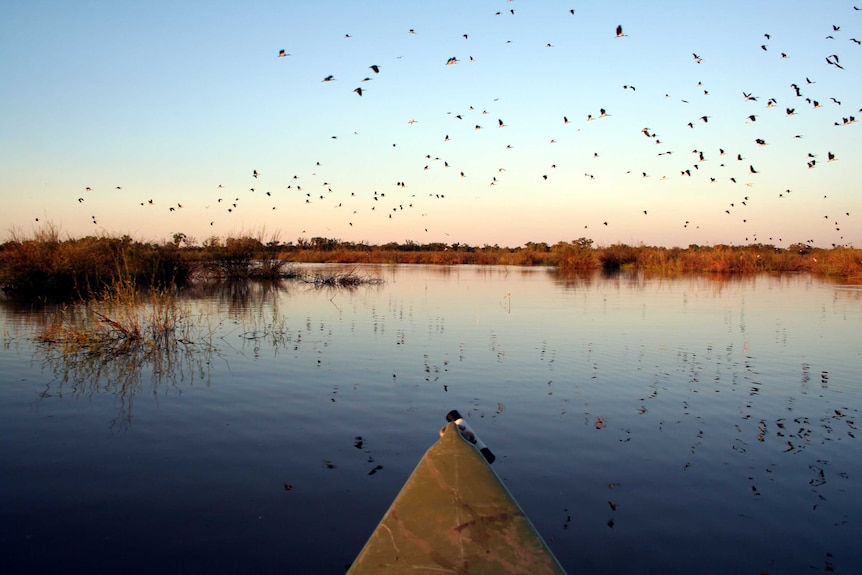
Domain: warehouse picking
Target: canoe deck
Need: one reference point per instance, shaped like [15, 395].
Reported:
[454, 515]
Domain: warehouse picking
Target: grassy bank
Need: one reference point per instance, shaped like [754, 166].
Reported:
[45, 267]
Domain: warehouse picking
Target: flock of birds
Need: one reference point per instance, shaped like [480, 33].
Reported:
[715, 165]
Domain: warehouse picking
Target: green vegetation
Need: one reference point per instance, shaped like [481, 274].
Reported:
[46, 268]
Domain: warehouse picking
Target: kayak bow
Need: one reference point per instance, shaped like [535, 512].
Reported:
[454, 515]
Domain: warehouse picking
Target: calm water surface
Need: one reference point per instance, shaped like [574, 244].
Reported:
[645, 425]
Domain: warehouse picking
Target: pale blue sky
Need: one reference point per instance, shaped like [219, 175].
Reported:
[171, 100]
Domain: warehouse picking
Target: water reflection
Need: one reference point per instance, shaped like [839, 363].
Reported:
[263, 318]
[220, 319]
[85, 374]
[646, 412]
[239, 295]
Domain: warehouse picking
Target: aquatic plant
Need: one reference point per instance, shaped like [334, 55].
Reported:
[340, 278]
[123, 320]
[113, 343]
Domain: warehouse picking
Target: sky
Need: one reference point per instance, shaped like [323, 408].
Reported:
[154, 118]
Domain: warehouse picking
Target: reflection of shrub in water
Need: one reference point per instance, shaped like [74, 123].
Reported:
[113, 344]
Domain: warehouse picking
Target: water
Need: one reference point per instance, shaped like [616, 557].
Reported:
[645, 424]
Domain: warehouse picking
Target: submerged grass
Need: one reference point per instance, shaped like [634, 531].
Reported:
[341, 278]
[124, 320]
[122, 340]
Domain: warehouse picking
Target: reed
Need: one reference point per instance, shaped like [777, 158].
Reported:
[123, 320]
[122, 342]
[841, 262]
[340, 278]
[615, 256]
[575, 255]
[45, 268]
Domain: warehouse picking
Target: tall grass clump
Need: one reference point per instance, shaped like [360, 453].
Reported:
[123, 320]
[841, 262]
[575, 255]
[122, 341]
[615, 256]
[44, 268]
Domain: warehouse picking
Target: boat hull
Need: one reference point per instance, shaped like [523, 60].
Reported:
[454, 515]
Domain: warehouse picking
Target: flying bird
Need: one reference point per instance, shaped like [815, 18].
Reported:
[620, 31]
